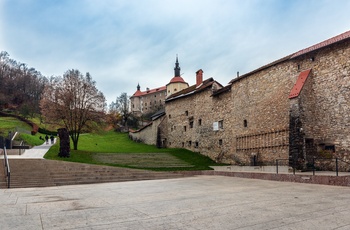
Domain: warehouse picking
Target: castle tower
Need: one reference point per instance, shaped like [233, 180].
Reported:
[177, 83]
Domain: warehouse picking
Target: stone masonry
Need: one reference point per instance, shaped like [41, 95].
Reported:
[254, 120]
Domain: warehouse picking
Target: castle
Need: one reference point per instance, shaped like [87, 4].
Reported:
[152, 99]
[294, 109]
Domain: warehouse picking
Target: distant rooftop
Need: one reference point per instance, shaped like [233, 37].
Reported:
[139, 93]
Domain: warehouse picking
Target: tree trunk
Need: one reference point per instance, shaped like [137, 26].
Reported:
[75, 143]
[75, 139]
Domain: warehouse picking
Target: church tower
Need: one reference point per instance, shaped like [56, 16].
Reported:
[177, 83]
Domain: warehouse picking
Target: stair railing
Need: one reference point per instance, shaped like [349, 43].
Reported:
[7, 168]
[20, 150]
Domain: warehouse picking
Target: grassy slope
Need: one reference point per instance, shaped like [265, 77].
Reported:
[12, 124]
[116, 149]
[112, 148]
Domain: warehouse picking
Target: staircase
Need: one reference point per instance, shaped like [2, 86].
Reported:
[2, 174]
[44, 173]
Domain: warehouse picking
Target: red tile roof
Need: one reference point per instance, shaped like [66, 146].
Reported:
[177, 79]
[325, 43]
[299, 84]
[139, 93]
[320, 45]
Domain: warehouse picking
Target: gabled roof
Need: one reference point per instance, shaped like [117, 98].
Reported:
[139, 93]
[192, 89]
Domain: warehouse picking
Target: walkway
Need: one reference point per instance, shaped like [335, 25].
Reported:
[203, 202]
[36, 152]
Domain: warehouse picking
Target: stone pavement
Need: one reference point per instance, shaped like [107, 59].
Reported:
[202, 202]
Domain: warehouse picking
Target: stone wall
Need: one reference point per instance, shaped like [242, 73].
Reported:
[260, 115]
[148, 134]
[257, 123]
[324, 101]
[190, 124]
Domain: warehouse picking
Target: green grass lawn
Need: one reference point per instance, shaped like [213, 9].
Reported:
[11, 124]
[32, 140]
[116, 149]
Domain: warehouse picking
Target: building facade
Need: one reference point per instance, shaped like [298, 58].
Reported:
[293, 109]
[147, 101]
[151, 100]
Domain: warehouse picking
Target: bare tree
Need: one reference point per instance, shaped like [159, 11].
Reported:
[122, 105]
[74, 100]
[21, 86]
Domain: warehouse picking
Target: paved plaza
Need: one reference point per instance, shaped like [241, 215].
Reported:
[202, 202]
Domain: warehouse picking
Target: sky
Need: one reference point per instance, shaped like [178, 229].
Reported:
[123, 43]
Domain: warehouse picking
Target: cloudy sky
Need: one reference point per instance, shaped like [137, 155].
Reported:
[126, 42]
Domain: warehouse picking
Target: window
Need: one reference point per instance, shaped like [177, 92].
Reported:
[330, 148]
[220, 142]
[200, 122]
[221, 124]
[190, 143]
[245, 123]
[155, 95]
[169, 116]
[196, 144]
[185, 128]
[183, 144]
[191, 124]
[186, 113]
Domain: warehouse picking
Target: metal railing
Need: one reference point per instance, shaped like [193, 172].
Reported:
[336, 164]
[21, 150]
[337, 160]
[7, 168]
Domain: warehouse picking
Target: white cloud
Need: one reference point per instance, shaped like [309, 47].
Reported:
[123, 43]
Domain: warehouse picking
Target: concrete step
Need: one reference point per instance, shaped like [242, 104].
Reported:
[3, 183]
[44, 173]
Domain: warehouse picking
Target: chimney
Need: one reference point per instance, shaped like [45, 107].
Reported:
[199, 77]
